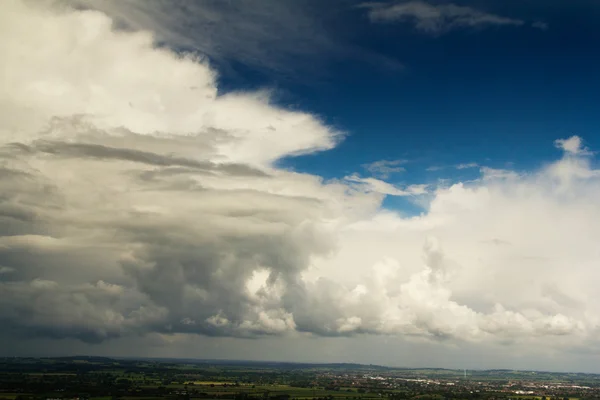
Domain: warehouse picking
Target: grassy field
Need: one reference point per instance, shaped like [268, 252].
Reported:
[217, 388]
[9, 396]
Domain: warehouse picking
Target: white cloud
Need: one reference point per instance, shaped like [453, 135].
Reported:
[467, 165]
[488, 173]
[135, 204]
[572, 145]
[384, 168]
[378, 186]
[504, 283]
[81, 80]
[436, 19]
[123, 173]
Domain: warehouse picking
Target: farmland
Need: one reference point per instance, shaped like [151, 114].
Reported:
[97, 378]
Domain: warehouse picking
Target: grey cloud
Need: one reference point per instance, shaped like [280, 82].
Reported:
[156, 270]
[436, 19]
[89, 312]
[82, 150]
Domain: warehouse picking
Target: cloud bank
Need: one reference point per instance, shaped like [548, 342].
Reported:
[136, 200]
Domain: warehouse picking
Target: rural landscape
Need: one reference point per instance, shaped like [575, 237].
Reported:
[99, 378]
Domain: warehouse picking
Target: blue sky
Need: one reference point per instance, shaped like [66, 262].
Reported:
[492, 95]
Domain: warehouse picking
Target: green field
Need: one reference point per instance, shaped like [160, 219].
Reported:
[109, 379]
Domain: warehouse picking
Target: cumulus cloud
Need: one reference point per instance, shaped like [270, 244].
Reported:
[572, 145]
[463, 287]
[122, 165]
[137, 200]
[436, 19]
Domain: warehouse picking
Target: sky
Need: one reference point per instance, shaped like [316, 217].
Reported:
[407, 183]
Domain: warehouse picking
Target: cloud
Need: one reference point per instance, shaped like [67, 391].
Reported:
[436, 19]
[142, 203]
[100, 152]
[382, 187]
[271, 36]
[572, 146]
[384, 168]
[543, 26]
[467, 165]
[488, 173]
[434, 168]
[473, 282]
[116, 172]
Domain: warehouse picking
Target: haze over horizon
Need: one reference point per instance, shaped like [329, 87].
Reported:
[406, 183]
[236, 362]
